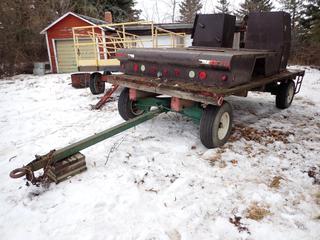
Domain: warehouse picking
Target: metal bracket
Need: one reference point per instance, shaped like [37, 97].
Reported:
[299, 80]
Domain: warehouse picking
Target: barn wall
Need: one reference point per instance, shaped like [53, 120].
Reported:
[62, 30]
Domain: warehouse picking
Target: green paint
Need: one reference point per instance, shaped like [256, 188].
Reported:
[194, 112]
[146, 103]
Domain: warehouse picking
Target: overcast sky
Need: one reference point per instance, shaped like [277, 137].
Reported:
[161, 10]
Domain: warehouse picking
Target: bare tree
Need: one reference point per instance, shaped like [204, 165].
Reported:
[171, 5]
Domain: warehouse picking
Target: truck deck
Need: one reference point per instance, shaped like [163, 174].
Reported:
[237, 66]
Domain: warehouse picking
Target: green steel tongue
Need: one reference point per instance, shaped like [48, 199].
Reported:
[55, 156]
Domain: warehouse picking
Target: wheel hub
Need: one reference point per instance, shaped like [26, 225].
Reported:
[135, 110]
[223, 125]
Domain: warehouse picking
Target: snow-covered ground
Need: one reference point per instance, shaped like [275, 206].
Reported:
[160, 182]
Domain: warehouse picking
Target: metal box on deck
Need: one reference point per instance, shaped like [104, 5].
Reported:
[213, 30]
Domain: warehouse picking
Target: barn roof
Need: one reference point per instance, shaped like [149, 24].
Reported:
[90, 20]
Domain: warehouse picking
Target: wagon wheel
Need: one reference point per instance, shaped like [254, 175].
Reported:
[215, 125]
[97, 86]
[285, 94]
[126, 107]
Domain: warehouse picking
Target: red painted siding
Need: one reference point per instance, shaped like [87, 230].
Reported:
[62, 30]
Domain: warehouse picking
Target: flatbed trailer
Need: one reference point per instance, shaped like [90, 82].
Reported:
[193, 82]
[198, 78]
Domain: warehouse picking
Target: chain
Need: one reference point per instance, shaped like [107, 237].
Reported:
[43, 179]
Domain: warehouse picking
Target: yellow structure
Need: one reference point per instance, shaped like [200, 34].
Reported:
[104, 40]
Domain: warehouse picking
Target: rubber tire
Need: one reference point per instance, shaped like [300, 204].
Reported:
[125, 106]
[209, 125]
[282, 94]
[96, 85]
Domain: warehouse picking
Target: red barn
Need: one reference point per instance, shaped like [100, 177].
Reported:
[59, 40]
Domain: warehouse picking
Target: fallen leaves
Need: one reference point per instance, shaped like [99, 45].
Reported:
[234, 162]
[152, 190]
[256, 212]
[314, 173]
[240, 226]
[275, 182]
[222, 164]
[265, 137]
[214, 159]
[172, 177]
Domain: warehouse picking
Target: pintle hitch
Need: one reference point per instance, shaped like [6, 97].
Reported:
[52, 171]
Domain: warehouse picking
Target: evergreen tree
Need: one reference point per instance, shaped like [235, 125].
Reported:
[86, 7]
[294, 8]
[254, 6]
[189, 9]
[311, 20]
[223, 6]
[122, 10]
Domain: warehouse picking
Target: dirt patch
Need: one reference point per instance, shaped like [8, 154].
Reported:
[214, 159]
[264, 137]
[256, 212]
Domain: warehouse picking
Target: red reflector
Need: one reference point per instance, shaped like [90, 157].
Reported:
[177, 72]
[135, 67]
[202, 75]
[224, 77]
[153, 70]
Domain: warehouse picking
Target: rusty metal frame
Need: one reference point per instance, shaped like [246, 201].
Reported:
[194, 91]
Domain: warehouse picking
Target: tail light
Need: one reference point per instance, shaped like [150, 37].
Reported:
[165, 72]
[177, 72]
[224, 77]
[153, 70]
[202, 75]
[135, 67]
